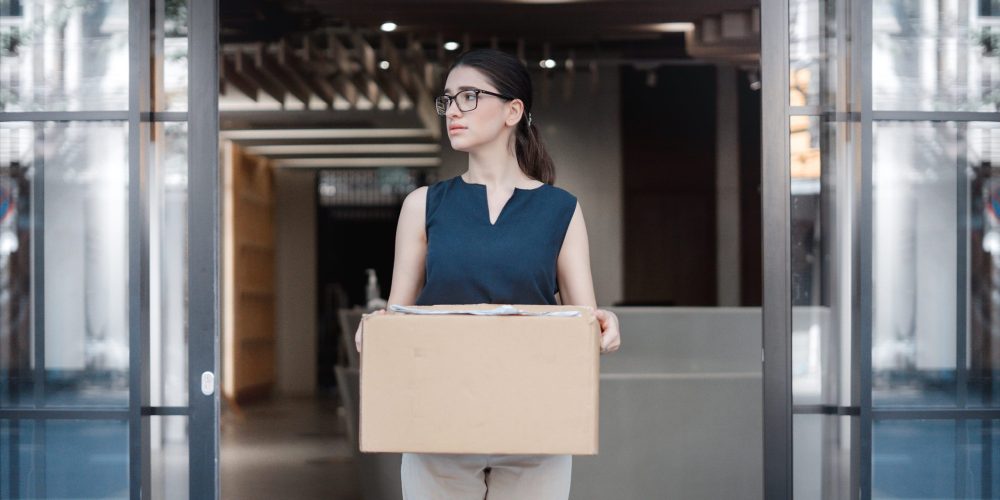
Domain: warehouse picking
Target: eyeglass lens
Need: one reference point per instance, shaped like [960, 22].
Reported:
[466, 101]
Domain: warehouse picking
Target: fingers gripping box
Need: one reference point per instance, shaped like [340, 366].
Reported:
[446, 379]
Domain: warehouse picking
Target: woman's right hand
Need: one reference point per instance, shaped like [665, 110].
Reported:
[358, 335]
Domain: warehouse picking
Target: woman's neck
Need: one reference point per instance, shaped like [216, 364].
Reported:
[497, 172]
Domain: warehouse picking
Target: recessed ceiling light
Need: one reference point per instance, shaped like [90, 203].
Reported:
[388, 26]
[450, 45]
[547, 63]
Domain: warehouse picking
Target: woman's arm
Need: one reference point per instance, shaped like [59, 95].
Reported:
[410, 255]
[411, 250]
[576, 284]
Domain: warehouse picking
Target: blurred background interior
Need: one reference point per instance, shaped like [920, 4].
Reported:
[327, 124]
[652, 114]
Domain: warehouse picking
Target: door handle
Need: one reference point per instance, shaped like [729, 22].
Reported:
[208, 383]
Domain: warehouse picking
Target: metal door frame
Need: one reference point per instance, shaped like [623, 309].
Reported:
[203, 255]
[859, 117]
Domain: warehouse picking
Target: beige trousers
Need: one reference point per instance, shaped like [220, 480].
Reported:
[444, 476]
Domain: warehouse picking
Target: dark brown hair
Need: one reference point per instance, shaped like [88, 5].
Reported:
[511, 77]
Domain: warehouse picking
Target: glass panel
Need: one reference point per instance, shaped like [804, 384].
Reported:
[168, 265]
[64, 56]
[169, 457]
[821, 447]
[809, 317]
[914, 260]
[932, 55]
[86, 458]
[933, 216]
[989, 8]
[170, 55]
[64, 458]
[981, 441]
[820, 347]
[17, 464]
[812, 52]
[983, 345]
[913, 459]
[935, 459]
[86, 263]
[16, 355]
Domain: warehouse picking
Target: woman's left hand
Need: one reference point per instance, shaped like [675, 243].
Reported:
[610, 334]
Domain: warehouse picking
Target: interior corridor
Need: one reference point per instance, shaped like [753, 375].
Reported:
[289, 448]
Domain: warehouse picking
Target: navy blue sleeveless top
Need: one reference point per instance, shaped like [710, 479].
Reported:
[470, 261]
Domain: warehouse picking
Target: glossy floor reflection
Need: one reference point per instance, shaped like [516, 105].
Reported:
[287, 448]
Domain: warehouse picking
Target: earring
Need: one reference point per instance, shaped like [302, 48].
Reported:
[529, 119]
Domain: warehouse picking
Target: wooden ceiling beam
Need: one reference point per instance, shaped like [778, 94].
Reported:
[345, 87]
[246, 66]
[229, 75]
[274, 65]
[339, 54]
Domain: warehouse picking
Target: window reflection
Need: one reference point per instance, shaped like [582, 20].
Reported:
[71, 211]
[932, 185]
[16, 154]
[984, 266]
[820, 291]
[63, 56]
[170, 51]
[64, 458]
[914, 259]
[812, 52]
[810, 312]
[934, 55]
[168, 227]
[86, 296]
[935, 459]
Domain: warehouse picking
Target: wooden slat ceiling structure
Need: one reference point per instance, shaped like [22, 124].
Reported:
[322, 62]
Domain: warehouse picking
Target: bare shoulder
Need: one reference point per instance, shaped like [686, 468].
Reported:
[577, 218]
[415, 202]
[412, 214]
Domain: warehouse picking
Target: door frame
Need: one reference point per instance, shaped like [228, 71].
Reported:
[203, 219]
[854, 113]
[776, 341]
[204, 269]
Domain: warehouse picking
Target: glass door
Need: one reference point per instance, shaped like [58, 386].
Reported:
[882, 248]
[108, 249]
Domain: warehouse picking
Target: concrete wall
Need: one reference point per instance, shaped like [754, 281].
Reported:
[583, 137]
[295, 280]
[680, 408]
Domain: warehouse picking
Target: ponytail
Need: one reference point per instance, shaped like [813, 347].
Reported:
[531, 154]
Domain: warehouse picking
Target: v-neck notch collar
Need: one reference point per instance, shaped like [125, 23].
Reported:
[485, 202]
[483, 186]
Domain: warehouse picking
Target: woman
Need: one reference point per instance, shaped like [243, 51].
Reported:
[500, 233]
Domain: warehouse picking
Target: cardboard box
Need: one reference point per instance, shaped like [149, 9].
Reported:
[459, 383]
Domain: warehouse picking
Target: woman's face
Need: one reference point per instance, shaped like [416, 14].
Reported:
[489, 122]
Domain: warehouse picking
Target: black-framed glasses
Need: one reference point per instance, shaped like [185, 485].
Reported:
[467, 100]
